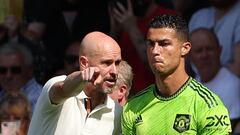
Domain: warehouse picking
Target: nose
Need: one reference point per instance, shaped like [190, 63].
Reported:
[204, 54]
[113, 69]
[155, 49]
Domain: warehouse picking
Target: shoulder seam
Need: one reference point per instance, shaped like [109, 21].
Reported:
[204, 93]
[141, 92]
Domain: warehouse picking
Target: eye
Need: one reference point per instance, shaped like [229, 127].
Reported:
[198, 50]
[163, 43]
[211, 48]
[150, 43]
[117, 62]
[107, 62]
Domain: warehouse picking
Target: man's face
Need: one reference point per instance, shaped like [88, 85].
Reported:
[205, 52]
[107, 59]
[115, 92]
[163, 50]
[12, 75]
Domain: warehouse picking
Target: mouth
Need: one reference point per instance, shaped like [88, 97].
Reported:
[154, 61]
[157, 60]
[110, 81]
[206, 62]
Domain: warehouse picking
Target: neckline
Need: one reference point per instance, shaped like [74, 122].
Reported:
[158, 94]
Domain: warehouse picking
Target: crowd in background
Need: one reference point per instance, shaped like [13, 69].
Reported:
[49, 33]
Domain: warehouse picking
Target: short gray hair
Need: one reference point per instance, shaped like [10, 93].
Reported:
[15, 48]
[125, 74]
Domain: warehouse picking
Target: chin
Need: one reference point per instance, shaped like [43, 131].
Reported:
[107, 90]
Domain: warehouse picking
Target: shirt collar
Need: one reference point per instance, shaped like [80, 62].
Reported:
[109, 102]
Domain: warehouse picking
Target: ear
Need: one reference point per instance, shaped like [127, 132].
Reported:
[185, 49]
[83, 62]
[122, 91]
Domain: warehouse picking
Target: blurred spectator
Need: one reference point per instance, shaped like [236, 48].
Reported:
[35, 31]
[223, 17]
[32, 37]
[128, 26]
[186, 8]
[124, 83]
[11, 7]
[66, 20]
[3, 34]
[237, 130]
[12, 25]
[205, 54]
[16, 72]
[15, 114]
[235, 65]
[71, 56]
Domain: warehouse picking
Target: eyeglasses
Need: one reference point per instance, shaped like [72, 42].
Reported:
[14, 70]
[71, 59]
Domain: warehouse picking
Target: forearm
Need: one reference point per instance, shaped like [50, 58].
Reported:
[126, 20]
[73, 84]
[138, 41]
[62, 90]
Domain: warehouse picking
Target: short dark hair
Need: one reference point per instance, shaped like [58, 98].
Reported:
[172, 21]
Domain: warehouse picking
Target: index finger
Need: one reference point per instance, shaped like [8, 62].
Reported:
[129, 3]
[96, 77]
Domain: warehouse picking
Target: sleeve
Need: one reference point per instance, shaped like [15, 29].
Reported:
[44, 100]
[215, 121]
[127, 121]
[236, 38]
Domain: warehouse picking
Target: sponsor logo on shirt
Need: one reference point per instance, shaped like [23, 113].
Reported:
[217, 120]
[182, 122]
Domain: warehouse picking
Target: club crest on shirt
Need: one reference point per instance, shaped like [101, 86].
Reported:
[182, 122]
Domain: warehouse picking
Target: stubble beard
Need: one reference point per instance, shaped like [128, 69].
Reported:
[107, 90]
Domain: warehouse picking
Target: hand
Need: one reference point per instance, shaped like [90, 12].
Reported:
[115, 27]
[91, 74]
[76, 81]
[74, 84]
[123, 16]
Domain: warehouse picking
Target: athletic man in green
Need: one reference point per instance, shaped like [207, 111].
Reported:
[176, 103]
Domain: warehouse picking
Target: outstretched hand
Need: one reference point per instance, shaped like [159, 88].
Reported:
[91, 74]
[74, 84]
[123, 15]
